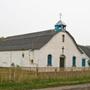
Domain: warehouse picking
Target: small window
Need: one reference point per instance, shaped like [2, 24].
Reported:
[62, 49]
[23, 55]
[83, 62]
[49, 61]
[74, 61]
[63, 38]
[32, 61]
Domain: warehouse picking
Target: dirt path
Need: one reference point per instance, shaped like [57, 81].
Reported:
[73, 87]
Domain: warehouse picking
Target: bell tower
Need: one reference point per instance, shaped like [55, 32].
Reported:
[60, 26]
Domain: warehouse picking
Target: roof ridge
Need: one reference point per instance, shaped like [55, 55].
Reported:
[28, 35]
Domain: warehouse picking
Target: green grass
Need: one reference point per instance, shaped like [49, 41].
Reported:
[43, 83]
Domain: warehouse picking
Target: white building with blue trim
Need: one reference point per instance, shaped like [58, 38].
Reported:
[50, 48]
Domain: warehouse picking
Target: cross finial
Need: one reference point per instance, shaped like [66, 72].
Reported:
[60, 15]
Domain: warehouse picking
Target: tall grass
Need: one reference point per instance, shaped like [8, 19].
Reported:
[23, 79]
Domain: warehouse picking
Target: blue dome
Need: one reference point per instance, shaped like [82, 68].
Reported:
[60, 26]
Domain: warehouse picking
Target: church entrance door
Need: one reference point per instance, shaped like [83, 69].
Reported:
[62, 61]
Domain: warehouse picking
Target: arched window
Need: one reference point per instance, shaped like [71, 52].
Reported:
[49, 60]
[74, 61]
[83, 62]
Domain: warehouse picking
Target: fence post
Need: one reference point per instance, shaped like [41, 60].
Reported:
[37, 71]
[12, 74]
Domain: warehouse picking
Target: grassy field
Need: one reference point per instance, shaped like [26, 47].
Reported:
[42, 83]
[17, 79]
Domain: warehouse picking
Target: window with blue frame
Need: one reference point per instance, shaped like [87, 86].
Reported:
[74, 61]
[49, 61]
[83, 62]
[58, 28]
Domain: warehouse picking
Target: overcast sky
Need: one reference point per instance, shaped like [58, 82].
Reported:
[26, 16]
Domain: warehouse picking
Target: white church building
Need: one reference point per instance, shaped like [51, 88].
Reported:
[50, 48]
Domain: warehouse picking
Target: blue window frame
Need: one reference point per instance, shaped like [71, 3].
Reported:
[74, 61]
[83, 62]
[58, 28]
[49, 62]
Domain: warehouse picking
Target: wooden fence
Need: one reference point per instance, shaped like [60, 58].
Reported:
[28, 74]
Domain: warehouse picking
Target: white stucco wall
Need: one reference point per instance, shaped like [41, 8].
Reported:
[54, 47]
[18, 59]
[9, 57]
[4, 59]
